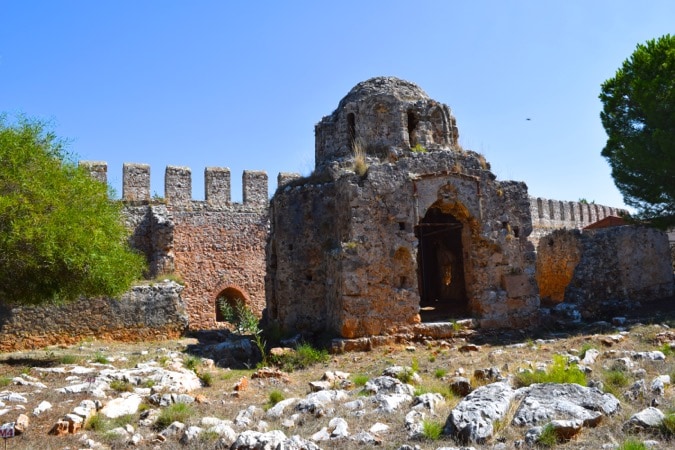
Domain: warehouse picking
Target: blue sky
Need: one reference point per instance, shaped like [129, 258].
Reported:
[242, 84]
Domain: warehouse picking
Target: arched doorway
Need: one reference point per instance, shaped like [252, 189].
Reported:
[227, 304]
[440, 267]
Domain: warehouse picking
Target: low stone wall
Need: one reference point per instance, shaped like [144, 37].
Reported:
[604, 270]
[147, 312]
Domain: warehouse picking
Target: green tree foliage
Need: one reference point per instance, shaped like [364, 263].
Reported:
[60, 235]
[639, 118]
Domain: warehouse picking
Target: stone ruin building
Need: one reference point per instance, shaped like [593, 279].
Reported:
[398, 226]
[397, 230]
[425, 232]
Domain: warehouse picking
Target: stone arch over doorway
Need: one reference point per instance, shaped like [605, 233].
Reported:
[442, 280]
[232, 295]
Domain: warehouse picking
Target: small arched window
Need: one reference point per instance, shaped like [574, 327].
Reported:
[413, 121]
[227, 304]
[351, 129]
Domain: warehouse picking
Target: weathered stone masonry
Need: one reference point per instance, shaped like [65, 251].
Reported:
[215, 246]
[147, 312]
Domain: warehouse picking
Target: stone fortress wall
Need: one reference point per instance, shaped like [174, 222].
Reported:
[216, 247]
[548, 215]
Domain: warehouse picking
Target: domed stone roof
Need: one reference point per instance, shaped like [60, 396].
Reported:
[401, 90]
[384, 113]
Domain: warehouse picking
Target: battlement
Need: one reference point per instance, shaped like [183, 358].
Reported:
[554, 214]
[178, 184]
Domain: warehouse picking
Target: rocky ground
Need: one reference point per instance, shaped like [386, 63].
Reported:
[473, 391]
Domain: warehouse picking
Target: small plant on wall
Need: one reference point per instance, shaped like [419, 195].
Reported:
[418, 148]
[360, 165]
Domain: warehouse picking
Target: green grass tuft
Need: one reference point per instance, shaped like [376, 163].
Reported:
[668, 425]
[432, 430]
[69, 359]
[614, 381]
[557, 373]
[274, 397]
[192, 362]
[176, 412]
[304, 356]
[100, 358]
[121, 386]
[632, 444]
[360, 379]
[584, 348]
[206, 378]
[548, 436]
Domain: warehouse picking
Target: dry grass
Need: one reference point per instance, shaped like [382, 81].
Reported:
[360, 165]
[436, 363]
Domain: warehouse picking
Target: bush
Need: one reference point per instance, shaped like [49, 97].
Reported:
[60, 235]
[235, 311]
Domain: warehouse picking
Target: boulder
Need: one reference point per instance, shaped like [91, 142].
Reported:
[389, 385]
[122, 406]
[542, 403]
[460, 386]
[471, 420]
[646, 419]
[254, 440]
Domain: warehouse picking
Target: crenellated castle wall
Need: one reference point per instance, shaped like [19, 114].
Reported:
[216, 246]
[549, 215]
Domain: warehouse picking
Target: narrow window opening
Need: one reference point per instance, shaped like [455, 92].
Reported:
[516, 232]
[351, 129]
[401, 226]
[412, 128]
